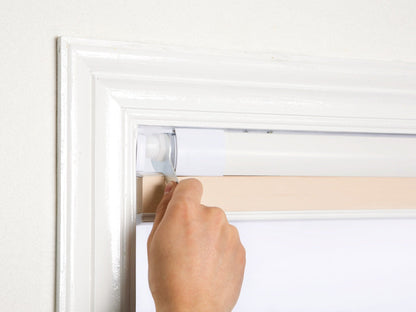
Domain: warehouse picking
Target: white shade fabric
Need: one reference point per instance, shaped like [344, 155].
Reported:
[316, 265]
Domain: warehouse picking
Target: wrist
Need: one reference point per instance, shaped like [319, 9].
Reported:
[184, 307]
[173, 309]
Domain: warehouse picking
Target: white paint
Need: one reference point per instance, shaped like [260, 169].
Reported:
[316, 265]
[104, 90]
[382, 30]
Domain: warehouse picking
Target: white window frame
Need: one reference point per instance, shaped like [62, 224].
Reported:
[106, 89]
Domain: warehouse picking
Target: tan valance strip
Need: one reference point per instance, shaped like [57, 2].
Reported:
[261, 193]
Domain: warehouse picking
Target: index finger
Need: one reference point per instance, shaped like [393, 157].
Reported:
[187, 195]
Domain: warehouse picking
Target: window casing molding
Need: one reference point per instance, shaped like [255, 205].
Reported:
[106, 89]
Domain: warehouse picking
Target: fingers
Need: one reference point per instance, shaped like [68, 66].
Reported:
[161, 208]
[187, 197]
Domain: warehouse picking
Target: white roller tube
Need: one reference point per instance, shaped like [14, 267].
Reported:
[319, 154]
[208, 152]
[200, 152]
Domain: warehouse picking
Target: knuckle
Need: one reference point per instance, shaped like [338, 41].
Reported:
[217, 214]
[235, 234]
[234, 237]
[192, 184]
[233, 230]
[183, 208]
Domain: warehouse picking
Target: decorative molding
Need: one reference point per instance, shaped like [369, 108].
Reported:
[106, 89]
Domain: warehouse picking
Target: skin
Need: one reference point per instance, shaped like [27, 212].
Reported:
[196, 259]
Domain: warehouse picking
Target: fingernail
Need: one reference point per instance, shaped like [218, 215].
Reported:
[169, 187]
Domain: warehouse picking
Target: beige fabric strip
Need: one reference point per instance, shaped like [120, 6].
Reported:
[261, 193]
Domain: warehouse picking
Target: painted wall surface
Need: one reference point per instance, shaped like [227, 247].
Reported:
[28, 31]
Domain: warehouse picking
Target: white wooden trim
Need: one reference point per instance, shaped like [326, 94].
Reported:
[106, 89]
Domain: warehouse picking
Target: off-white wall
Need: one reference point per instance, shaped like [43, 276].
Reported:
[28, 29]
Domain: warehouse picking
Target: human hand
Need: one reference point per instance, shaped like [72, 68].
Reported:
[196, 259]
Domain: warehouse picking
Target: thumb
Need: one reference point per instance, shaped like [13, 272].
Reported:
[161, 208]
